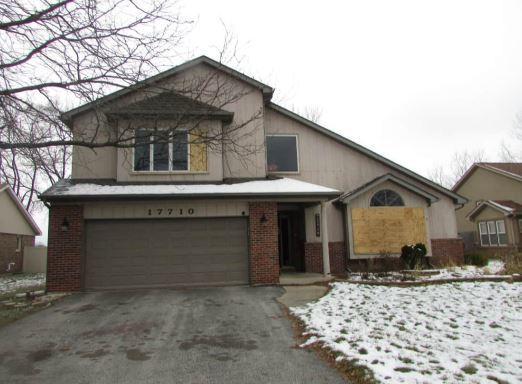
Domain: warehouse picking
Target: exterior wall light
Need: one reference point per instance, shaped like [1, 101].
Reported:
[65, 225]
[263, 219]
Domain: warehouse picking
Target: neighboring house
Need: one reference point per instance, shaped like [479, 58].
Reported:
[492, 219]
[17, 231]
[189, 213]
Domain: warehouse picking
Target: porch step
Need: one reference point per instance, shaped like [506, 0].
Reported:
[296, 278]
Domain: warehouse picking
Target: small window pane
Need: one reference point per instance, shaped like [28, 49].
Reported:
[281, 153]
[491, 227]
[483, 228]
[501, 227]
[386, 198]
[484, 239]
[502, 239]
[161, 153]
[180, 151]
[520, 225]
[142, 150]
[493, 239]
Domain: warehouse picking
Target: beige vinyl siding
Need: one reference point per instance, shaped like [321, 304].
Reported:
[490, 214]
[484, 184]
[11, 219]
[327, 162]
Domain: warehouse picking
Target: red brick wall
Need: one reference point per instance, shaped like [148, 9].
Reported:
[447, 251]
[314, 257]
[9, 254]
[64, 248]
[263, 243]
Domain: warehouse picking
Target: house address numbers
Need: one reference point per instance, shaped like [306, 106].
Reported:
[170, 211]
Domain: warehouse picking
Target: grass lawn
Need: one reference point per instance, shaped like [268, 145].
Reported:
[449, 333]
[12, 307]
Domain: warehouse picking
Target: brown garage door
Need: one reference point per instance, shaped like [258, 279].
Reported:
[147, 253]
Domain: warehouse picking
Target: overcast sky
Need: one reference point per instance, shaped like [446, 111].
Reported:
[415, 80]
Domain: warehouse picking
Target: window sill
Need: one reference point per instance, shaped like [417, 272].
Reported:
[166, 173]
[282, 173]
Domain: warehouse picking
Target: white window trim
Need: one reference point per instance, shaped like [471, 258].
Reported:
[296, 149]
[501, 233]
[151, 157]
[372, 194]
[483, 233]
[488, 233]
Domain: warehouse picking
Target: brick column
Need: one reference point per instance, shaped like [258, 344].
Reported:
[263, 243]
[64, 248]
[447, 251]
[314, 257]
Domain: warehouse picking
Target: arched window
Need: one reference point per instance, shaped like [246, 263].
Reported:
[386, 198]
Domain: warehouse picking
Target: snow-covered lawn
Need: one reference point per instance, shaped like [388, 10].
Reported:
[449, 333]
[13, 283]
[494, 268]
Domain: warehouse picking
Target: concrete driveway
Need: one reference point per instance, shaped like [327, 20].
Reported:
[207, 335]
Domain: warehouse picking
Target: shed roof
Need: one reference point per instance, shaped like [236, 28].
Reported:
[106, 190]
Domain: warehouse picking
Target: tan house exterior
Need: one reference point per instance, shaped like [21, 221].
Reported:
[491, 220]
[300, 198]
[17, 230]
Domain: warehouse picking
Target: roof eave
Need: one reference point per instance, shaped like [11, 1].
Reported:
[148, 196]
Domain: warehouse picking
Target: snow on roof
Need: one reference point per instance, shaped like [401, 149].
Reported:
[283, 186]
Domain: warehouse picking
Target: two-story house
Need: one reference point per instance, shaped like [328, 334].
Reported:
[277, 193]
[491, 221]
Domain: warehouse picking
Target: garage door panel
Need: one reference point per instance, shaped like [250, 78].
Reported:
[133, 253]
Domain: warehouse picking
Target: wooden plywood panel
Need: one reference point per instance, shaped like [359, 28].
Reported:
[198, 155]
[387, 229]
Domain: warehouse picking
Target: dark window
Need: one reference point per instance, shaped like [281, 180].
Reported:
[281, 153]
[164, 147]
[180, 151]
[142, 151]
[161, 152]
[386, 198]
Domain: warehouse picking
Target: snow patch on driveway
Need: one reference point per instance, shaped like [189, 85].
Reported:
[450, 333]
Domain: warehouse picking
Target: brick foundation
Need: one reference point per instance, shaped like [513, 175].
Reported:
[64, 249]
[9, 254]
[447, 251]
[314, 257]
[263, 243]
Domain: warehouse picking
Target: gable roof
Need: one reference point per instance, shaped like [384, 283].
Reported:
[171, 104]
[507, 207]
[265, 89]
[511, 170]
[7, 189]
[349, 196]
[267, 95]
[343, 140]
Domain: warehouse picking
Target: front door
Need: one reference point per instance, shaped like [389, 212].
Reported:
[291, 240]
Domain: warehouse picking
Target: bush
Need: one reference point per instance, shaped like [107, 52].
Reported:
[513, 263]
[414, 255]
[480, 260]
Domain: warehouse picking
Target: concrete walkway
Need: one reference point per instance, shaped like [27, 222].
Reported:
[296, 296]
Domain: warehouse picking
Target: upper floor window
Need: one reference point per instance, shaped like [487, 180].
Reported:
[386, 198]
[155, 151]
[282, 153]
[492, 233]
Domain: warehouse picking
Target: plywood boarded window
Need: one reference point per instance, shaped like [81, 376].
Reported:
[198, 154]
[387, 229]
